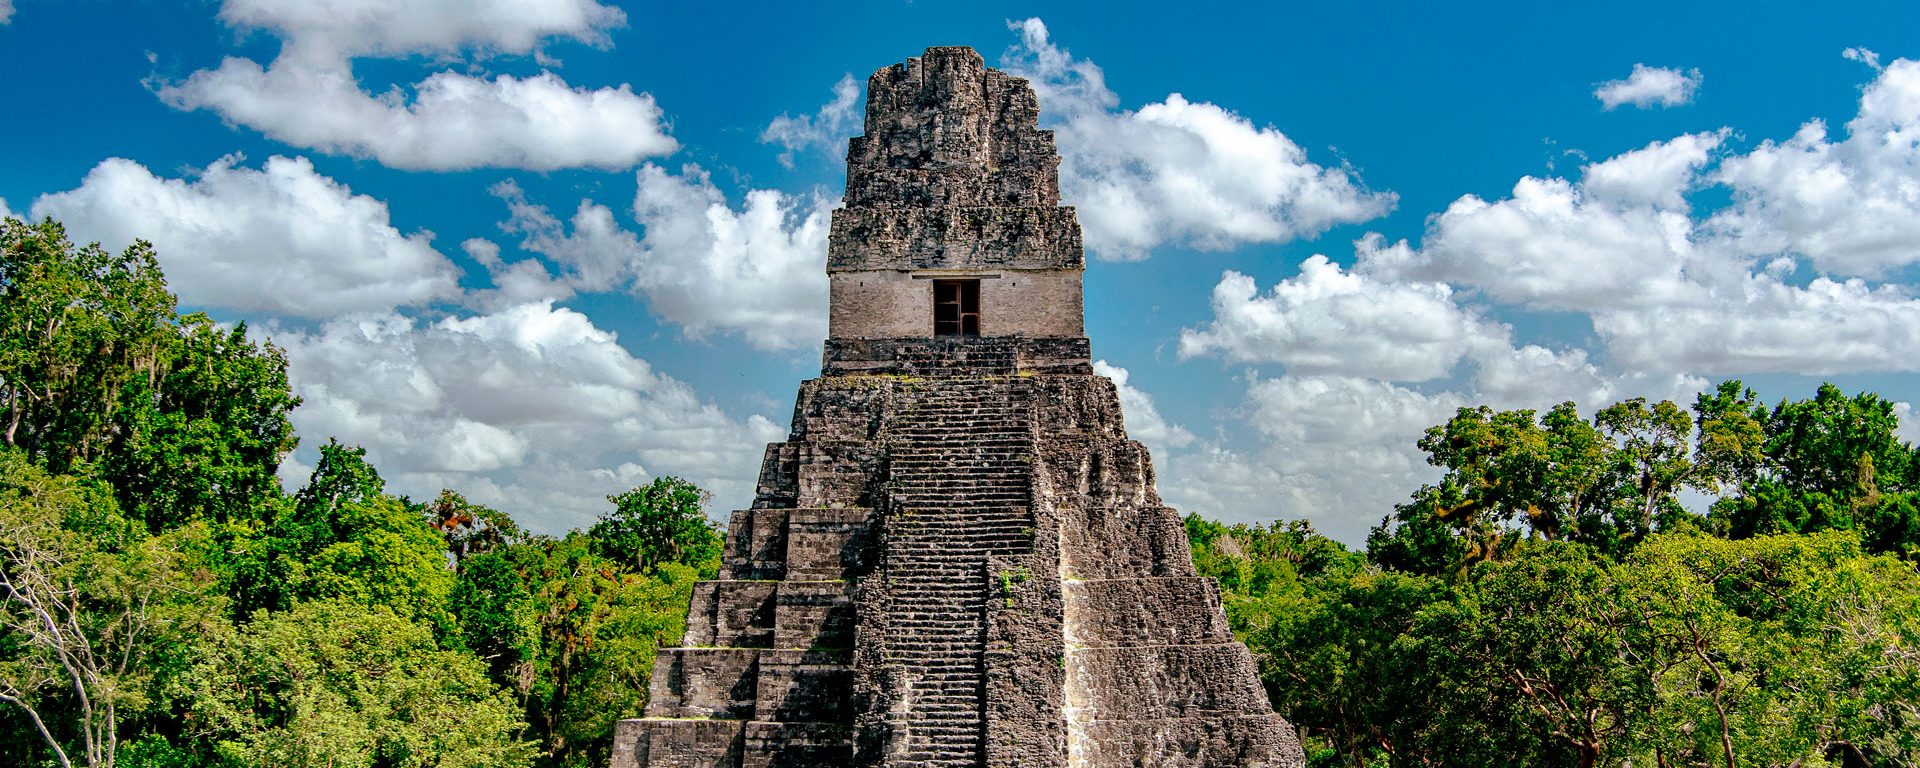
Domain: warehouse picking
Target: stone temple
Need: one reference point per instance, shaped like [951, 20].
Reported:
[957, 559]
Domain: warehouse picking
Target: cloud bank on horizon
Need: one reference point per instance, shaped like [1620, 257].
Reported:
[462, 364]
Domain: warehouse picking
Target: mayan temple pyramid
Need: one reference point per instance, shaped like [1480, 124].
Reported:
[958, 559]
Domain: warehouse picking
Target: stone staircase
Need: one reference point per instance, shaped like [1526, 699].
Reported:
[960, 467]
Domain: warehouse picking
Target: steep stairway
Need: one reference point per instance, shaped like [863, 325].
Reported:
[961, 463]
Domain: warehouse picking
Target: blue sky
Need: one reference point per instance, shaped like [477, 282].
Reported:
[542, 250]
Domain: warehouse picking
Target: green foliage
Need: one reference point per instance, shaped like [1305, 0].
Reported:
[662, 521]
[344, 684]
[1830, 463]
[344, 538]
[77, 325]
[185, 419]
[94, 611]
[204, 439]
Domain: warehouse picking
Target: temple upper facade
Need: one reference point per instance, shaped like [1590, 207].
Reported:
[953, 225]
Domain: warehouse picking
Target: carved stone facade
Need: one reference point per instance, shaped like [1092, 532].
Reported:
[957, 559]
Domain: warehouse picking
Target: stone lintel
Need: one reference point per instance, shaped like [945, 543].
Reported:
[931, 357]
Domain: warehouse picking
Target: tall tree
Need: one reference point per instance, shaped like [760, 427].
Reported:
[77, 326]
[662, 521]
[88, 604]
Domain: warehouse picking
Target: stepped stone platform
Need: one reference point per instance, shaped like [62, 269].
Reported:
[957, 559]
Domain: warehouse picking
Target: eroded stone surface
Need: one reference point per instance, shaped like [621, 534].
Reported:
[957, 559]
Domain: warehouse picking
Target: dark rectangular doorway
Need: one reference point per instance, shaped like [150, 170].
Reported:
[956, 307]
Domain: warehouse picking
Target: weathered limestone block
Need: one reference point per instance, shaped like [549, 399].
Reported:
[814, 614]
[778, 485]
[836, 474]
[756, 545]
[734, 614]
[804, 685]
[838, 409]
[677, 743]
[947, 357]
[1025, 664]
[825, 544]
[1166, 681]
[1145, 611]
[1250, 741]
[956, 238]
[704, 682]
[796, 745]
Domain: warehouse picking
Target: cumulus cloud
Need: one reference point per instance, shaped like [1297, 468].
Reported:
[1336, 450]
[1176, 172]
[1327, 320]
[6, 11]
[1144, 422]
[1620, 237]
[758, 271]
[1649, 87]
[446, 27]
[530, 407]
[1851, 206]
[826, 130]
[282, 239]
[309, 96]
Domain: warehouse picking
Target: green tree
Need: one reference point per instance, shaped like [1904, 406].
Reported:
[662, 521]
[344, 537]
[1833, 462]
[77, 326]
[499, 619]
[204, 439]
[186, 419]
[469, 528]
[335, 683]
[90, 608]
[600, 622]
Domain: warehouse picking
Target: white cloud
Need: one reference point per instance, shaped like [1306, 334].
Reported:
[1909, 429]
[1862, 55]
[389, 29]
[1336, 450]
[1852, 206]
[4, 213]
[1326, 320]
[1621, 237]
[1650, 86]
[1765, 325]
[6, 11]
[594, 256]
[282, 239]
[826, 130]
[530, 408]
[309, 96]
[1144, 421]
[1176, 172]
[451, 121]
[759, 271]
